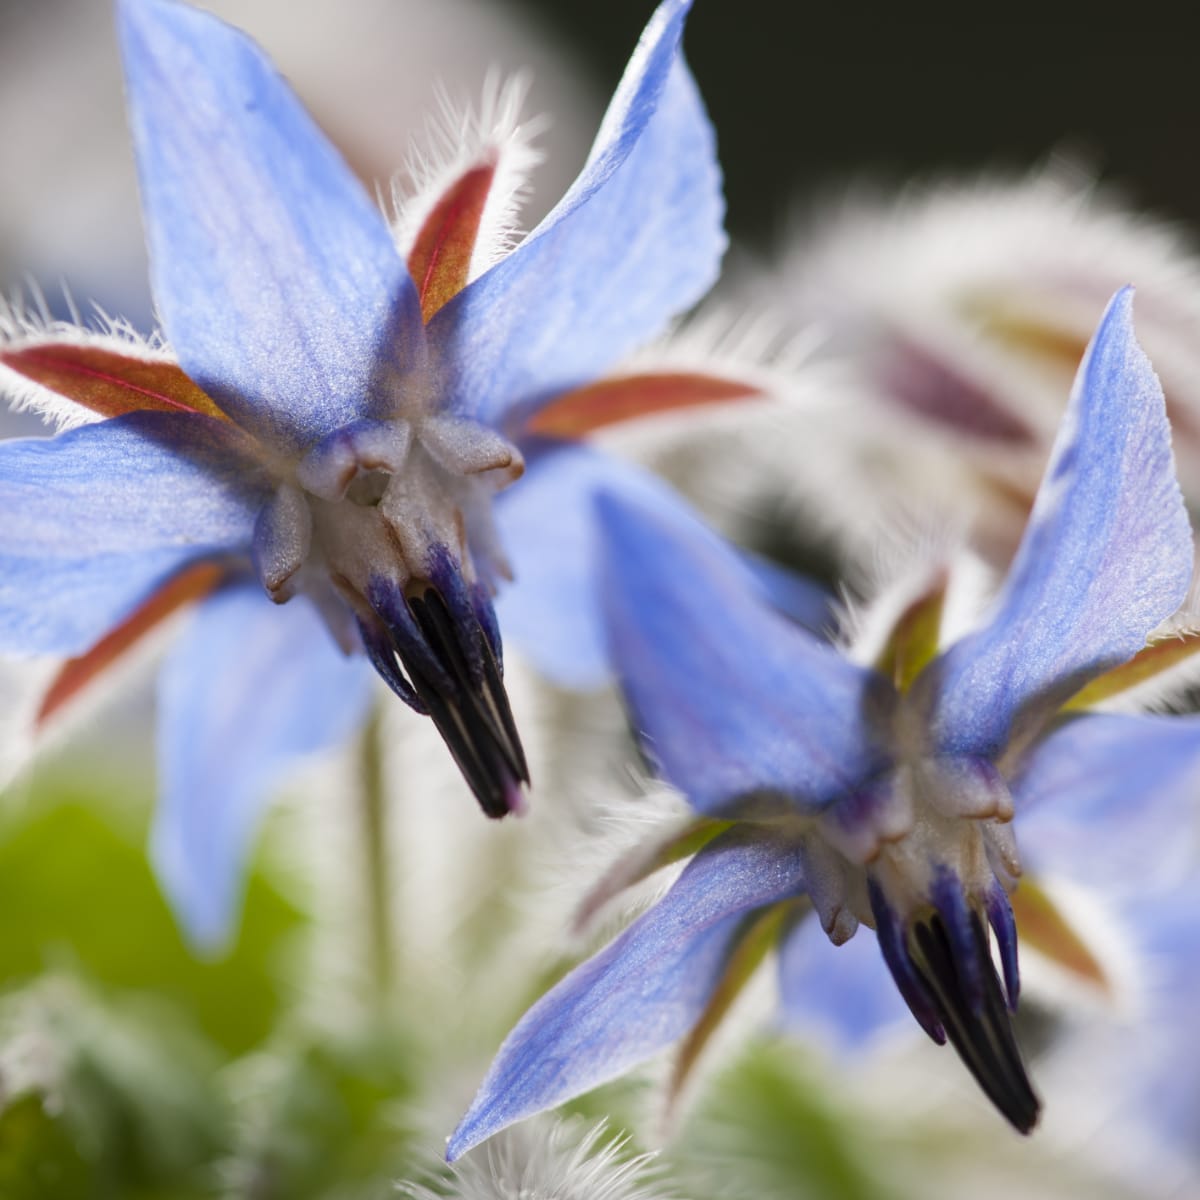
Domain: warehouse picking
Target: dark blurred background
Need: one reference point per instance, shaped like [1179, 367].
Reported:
[806, 98]
[806, 95]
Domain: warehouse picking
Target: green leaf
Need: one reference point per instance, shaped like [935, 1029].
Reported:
[129, 1104]
[76, 890]
[38, 1158]
[769, 1129]
[327, 1118]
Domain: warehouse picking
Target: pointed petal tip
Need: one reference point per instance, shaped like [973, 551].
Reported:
[1105, 558]
[461, 1140]
[1117, 319]
[1123, 298]
[136, 18]
[615, 510]
[652, 183]
[244, 197]
[203, 912]
[639, 994]
[667, 13]
[483, 1119]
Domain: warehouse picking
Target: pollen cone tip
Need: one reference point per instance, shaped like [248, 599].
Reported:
[451, 672]
[978, 1026]
[518, 801]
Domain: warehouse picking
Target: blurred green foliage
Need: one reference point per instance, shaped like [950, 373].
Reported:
[326, 1118]
[124, 1058]
[106, 1100]
[38, 1157]
[769, 1128]
[76, 892]
[132, 1070]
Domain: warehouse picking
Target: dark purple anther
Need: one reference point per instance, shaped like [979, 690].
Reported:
[956, 914]
[893, 943]
[1000, 916]
[942, 964]
[430, 646]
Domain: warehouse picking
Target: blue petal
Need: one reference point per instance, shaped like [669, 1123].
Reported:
[249, 690]
[552, 611]
[1107, 556]
[639, 994]
[96, 519]
[1160, 1068]
[1111, 800]
[276, 277]
[844, 990]
[799, 598]
[730, 697]
[636, 240]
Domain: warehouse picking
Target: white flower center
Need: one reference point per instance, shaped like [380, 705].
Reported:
[375, 499]
[925, 817]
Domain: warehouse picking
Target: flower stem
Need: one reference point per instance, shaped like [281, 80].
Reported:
[375, 857]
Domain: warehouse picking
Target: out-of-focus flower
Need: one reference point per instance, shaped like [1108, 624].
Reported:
[880, 795]
[1125, 1075]
[334, 418]
[1161, 1055]
[952, 320]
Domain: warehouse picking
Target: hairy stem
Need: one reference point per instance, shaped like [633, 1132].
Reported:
[372, 801]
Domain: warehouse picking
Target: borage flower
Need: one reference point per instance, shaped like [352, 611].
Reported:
[1150, 1062]
[881, 796]
[337, 423]
[957, 315]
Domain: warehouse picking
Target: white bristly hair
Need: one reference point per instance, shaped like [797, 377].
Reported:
[459, 137]
[27, 322]
[545, 1159]
[997, 281]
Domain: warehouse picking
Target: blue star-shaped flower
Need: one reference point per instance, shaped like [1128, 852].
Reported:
[881, 796]
[331, 426]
